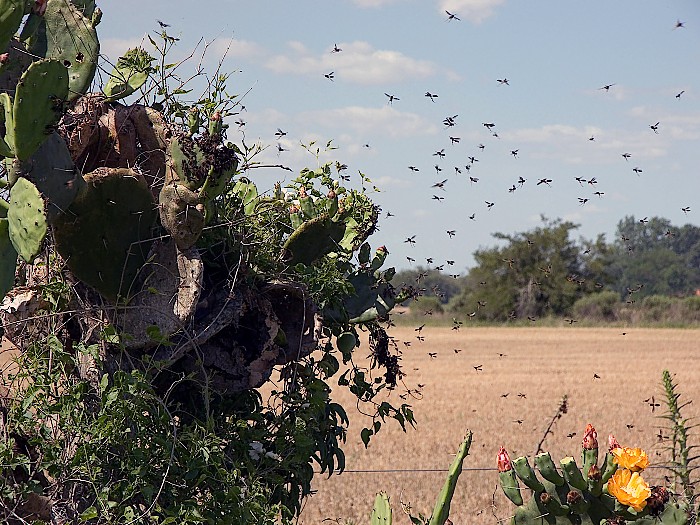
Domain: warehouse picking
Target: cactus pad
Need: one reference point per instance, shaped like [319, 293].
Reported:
[69, 36]
[181, 214]
[313, 239]
[27, 218]
[381, 513]
[11, 14]
[52, 170]
[8, 259]
[38, 105]
[105, 235]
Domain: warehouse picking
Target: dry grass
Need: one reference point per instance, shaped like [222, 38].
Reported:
[541, 363]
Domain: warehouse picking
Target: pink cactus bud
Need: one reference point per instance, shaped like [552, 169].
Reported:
[4, 57]
[382, 249]
[216, 115]
[302, 192]
[590, 438]
[612, 442]
[503, 461]
[331, 194]
[293, 209]
[39, 7]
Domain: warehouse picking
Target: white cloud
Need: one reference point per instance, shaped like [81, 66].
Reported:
[236, 48]
[475, 11]
[358, 62]
[384, 121]
[572, 145]
[373, 3]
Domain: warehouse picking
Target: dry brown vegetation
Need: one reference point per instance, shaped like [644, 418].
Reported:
[542, 364]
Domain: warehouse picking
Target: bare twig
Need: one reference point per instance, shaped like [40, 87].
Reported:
[561, 410]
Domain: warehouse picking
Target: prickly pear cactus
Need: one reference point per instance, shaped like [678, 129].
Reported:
[373, 296]
[381, 513]
[106, 233]
[69, 36]
[52, 171]
[181, 214]
[8, 258]
[38, 105]
[313, 239]
[27, 219]
[11, 13]
[611, 493]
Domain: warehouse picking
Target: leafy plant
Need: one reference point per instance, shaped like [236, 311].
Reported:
[683, 459]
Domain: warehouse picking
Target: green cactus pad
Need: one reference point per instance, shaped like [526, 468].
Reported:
[181, 214]
[381, 513]
[527, 474]
[69, 36]
[248, 194]
[52, 170]
[38, 104]
[11, 14]
[312, 240]
[186, 162]
[8, 259]
[15, 65]
[27, 219]
[130, 73]
[441, 512]
[87, 7]
[105, 235]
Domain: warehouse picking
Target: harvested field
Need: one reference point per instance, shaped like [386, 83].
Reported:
[540, 364]
[537, 367]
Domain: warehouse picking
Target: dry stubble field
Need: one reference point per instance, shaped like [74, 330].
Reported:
[540, 363]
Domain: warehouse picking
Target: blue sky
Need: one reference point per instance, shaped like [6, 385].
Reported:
[556, 57]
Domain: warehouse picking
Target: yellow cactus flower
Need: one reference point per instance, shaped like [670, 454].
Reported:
[629, 488]
[634, 459]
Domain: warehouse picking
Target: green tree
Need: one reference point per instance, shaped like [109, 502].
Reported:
[539, 272]
[430, 282]
[655, 258]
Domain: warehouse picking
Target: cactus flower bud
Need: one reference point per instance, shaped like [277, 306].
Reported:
[594, 473]
[503, 461]
[657, 501]
[4, 57]
[293, 209]
[545, 498]
[590, 438]
[216, 123]
[612, 443]
[573, 497]
[332, 194]
[302, 192]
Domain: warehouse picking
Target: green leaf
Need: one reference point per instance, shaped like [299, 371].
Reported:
[89, 514]
[365, 436]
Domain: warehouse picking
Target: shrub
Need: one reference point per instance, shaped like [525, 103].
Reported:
[601, 306]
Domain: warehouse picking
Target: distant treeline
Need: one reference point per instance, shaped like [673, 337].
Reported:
[649, 273]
